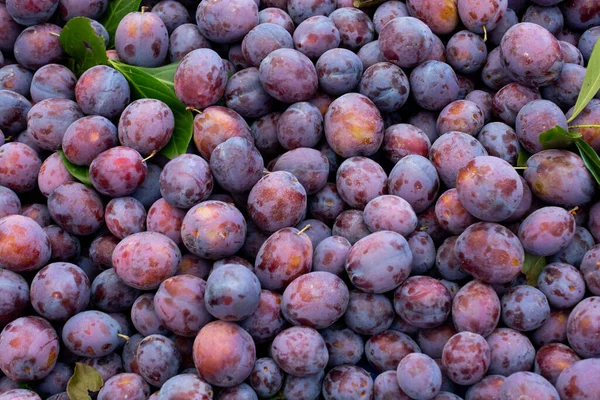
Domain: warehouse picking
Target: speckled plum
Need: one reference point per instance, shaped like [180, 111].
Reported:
[386, 85]
[524, 308]
[453, 151]
[278, 200]
[547, 230]
[143, 260]
[76, 208]
[87, 137]
[559, 177]
[300, 351]
[379, 262]
[517, 47]
[179, 304]
[466, 358]
[29, 349]
[390, 213]
[356, 28]
[316, 300]
[489, 188]
[406, 41]
[423, 301]
[434, 85]
[511, 351]
[15, 107]
[213, 229]
[368, 314]
[38, 45]
[224, 354]
[142, 39]
[534, 118]
[200, 78]
[461, 115]
[386, 349]
[223, 21]
[300, 125]
[19, 167]
[283, 257]
[476, 308]
[347, 382]
[579, 380]
[267, 320]
[490, 252]
[245, 94]
[102, 90]
[552, 359]
[125, 216]
[353, 126]
[15, 296]
[262, 40]
[91, 334]
[275, 70]
[59, 291]
[343, 345]
[315, 35]
[185, 181]
[583, 326]
[215, 125]
[479, 15]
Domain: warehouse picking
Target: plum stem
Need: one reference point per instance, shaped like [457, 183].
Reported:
[307, 227]
[54, 34]
[123, 337]
[144, 9]
[423, 228]
[584, 126]
[523, 168]
[266, 172]
[150, 156]
[193, 109]
[573, 211]
[484, 33]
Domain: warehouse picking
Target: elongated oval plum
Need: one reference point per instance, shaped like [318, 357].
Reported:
[284, 256]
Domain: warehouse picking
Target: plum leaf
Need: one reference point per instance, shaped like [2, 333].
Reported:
[557, 137]
[81, 173]
[85, 379]
[591, 83]
[532, 268]
[81, 43]
[590, 158]
[165, 74]
[522, 157]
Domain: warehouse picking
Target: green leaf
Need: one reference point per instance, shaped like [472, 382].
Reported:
[366, 3]
[591, 82]
[81, 173]
[81, 43]
[144, 85]
[165, 74]
[523, 157]
[590, 158]
[532, 267]
[557, 138]
[278, 396]
[115, 12]
[85, 379]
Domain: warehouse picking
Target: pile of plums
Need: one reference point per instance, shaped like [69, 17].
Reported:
[349, 221]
